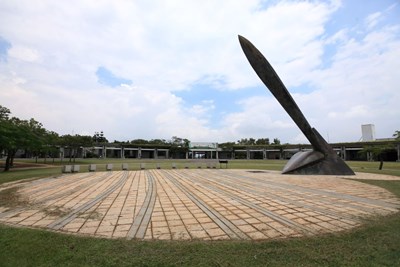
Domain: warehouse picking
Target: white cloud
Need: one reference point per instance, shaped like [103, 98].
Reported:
[373, 19]
[260, 117]
[166, 46]
[24, 53]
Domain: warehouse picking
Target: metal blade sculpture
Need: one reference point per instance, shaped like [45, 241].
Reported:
[323, 159]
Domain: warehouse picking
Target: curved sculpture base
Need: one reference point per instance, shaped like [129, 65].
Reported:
[314, 162]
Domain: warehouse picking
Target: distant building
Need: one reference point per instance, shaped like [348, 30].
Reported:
[368, 132]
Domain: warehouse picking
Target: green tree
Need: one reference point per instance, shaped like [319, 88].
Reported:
[276, 141]
[227, 145]
[262, 141]
[376, 153]
[397, 135]
[4, 113]
[178, 141]
[7, 136]
[52, 144]
[35, 137]
[139, 142]
[5, 128]
[99, 138]
[245, 141]
[178, 146]
[74, 142]
[158, 142]
[19, 134]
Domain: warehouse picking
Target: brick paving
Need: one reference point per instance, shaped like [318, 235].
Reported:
[206, 204]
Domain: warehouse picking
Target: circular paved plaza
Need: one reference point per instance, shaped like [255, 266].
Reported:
[206, 204]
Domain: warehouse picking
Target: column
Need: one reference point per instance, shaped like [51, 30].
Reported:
[343, 152]
[104, 152]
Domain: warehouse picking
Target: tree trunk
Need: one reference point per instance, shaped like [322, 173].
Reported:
[381, 164]
[8, 162]
[12, 158]
[70, 154]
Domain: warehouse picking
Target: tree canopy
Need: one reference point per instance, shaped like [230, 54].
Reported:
[30, 135]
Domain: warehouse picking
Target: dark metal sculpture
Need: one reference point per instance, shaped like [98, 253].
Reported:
[323, 159]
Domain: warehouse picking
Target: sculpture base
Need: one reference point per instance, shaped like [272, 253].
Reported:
[316, 163]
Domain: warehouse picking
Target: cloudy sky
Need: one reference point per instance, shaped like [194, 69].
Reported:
[157, 69]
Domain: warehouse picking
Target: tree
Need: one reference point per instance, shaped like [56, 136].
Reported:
[158, 142]
[99, 138]
[36, 137]
[396, 135]
[178, 146]
[227, 145]
[4, 113]
[5, 128]
[276, 141]
[375, 153]
[74, 142]
[8, 133]
[179, 142]
[52, 144]
[245, 141]
[19, 134]
[139, 142]
[262, 141]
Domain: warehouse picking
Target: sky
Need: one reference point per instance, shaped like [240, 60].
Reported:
[163, 68]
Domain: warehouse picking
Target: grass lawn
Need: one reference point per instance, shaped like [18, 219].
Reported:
[375, 244]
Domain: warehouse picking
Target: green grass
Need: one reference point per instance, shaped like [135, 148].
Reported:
[375, 244]
[390, 168]
[134, 164]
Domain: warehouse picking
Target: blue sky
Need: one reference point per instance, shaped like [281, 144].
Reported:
[157, 69]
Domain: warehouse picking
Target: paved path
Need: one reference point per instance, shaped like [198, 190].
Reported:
[207, 204]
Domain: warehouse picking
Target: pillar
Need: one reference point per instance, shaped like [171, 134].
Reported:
[104, 152]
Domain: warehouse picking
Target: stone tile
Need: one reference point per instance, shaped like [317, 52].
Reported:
[221, 237]
[246, 228]
[113, 215]
[122, 227]
[201, 234]
[88, 230]
[256, 235]
[312, 219]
